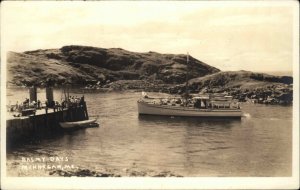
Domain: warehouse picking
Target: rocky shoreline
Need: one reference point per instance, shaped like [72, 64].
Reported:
[274, 94]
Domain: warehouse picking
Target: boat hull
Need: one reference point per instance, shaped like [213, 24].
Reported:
[77, 124]
[166, 110]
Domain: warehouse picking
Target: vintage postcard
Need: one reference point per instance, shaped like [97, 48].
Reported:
[149, 95]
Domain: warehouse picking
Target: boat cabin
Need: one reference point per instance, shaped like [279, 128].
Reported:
[214, 101]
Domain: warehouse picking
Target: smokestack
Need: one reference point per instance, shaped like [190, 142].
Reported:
[33, 94]
[49, 94]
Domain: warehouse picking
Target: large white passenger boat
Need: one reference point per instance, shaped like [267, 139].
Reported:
[199, 106]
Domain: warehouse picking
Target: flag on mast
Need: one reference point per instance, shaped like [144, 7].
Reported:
[187, 57]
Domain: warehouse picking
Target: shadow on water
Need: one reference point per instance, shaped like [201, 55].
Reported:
[37, 140]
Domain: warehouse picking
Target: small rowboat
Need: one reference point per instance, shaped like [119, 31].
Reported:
[78, 124]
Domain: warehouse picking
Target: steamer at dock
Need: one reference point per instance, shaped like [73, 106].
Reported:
[34, 119]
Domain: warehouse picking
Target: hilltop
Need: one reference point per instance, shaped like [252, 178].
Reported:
[84, 65]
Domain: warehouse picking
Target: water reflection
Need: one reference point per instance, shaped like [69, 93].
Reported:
[188, 121]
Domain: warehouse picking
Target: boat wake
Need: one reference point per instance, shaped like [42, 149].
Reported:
[246, 115]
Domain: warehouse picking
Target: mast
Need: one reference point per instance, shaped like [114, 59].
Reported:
[186, 79]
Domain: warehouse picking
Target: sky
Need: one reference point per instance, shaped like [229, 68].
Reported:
[231, 35]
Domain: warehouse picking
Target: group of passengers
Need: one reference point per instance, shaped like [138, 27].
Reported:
[26, 104]
[73, 101]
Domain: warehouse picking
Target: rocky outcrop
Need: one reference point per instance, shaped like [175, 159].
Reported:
[244, 86]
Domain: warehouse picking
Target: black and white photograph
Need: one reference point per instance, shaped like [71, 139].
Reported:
[150, 94]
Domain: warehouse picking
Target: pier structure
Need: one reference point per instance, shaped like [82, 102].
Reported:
[34, 123]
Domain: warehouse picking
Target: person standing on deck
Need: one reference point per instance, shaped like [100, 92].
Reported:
[39, 104]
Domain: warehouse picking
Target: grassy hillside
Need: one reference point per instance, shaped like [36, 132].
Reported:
[239, 79]
[82, 65]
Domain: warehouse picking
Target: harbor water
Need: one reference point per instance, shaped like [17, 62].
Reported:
[260, 144]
